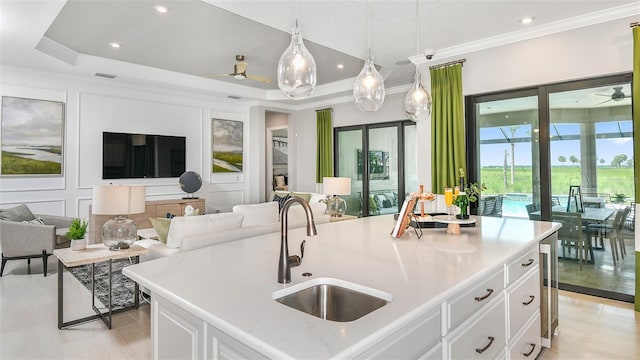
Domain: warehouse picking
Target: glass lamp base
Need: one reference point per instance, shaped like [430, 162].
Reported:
[119, 233]
[336, 206]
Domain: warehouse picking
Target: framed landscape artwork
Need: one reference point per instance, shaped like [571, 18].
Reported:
[31, 137]
[227, 146]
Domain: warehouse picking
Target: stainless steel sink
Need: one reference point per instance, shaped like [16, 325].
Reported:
[333, 299]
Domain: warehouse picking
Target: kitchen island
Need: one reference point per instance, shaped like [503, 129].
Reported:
[446, 292]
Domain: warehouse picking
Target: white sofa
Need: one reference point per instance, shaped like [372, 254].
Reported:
[193, 232]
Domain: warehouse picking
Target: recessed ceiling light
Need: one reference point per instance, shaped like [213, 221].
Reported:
[114, 45]
[340, 66]
[161, 9]
[526, 20]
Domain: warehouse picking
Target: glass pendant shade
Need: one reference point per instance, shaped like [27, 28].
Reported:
[297, 69]
[417, 103]
[368, 90]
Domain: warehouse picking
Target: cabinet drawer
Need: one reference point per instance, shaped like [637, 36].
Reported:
[526, 344]
[523, 264]
[523, 299]
[462, 305]
[483, 336]
[418, 337]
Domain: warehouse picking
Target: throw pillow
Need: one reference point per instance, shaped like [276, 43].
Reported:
[19, 213]
[258, 214]
[303, 196]
[161, 226]
[280, 200]
[36, 221]
[280, 181]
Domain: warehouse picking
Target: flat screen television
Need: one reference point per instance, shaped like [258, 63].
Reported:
[126, 156]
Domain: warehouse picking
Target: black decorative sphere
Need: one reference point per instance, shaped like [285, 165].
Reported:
[190, 182]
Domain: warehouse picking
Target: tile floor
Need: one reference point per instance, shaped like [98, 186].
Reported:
[590, 328]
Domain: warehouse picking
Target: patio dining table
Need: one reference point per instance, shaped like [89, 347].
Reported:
[589, 216]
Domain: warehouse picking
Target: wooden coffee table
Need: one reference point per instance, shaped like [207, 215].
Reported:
[93, 254]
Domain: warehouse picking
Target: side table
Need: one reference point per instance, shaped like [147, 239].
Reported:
[93, 254]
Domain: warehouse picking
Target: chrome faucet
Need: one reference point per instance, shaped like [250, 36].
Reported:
[286, 262]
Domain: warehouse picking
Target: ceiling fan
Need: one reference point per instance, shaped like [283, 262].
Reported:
[617, 95]
[240, 72]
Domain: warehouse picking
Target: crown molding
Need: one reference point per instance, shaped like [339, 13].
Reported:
[576, 22]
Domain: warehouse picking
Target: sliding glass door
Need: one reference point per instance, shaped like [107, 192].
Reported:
[372, 156]
[564, 152]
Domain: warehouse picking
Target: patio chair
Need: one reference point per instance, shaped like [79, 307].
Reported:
[613, 230]
[572, 233]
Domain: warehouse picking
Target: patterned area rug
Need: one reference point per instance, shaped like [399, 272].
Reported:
[123, 288]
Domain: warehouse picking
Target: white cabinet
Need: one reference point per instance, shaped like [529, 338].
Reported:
[420, 338]
[526, 344]
[482, 336]
[496, 316]
[176, 333]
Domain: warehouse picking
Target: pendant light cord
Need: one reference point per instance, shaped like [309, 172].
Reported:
[417, 33]
[368, 31]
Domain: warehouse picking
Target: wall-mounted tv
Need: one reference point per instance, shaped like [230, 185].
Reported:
[126, 156]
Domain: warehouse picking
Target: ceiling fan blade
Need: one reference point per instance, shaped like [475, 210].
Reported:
[603, 95]
[262, 79]
[218, 75]
[603, 102]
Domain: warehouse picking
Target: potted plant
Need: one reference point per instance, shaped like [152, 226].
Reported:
[618, 198]
[76, 233]
[472, 192]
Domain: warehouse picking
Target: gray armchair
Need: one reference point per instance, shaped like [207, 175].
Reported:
[27, 240]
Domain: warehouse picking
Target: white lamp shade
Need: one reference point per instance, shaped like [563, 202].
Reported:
[118, 199]
[336, 185]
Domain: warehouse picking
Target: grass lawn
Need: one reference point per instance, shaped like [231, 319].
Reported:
[611, 180]
[16, 165]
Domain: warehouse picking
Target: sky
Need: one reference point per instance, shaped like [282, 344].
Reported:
[607, 149]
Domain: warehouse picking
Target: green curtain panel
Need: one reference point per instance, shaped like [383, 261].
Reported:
[448, 153]
[635, 101]
[324, 157]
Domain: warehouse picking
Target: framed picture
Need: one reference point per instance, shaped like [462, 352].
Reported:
[574, 203]
[31, 137]
[378, 164]
[227, 146]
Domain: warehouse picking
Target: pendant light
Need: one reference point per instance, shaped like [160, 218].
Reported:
[297, 68]
[417, 103]
[368, 90]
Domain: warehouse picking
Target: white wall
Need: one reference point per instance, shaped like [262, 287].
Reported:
[94, 105]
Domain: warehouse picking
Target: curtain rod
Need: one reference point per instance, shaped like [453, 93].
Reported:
[447, 64]
[634, 24]
[330, 109]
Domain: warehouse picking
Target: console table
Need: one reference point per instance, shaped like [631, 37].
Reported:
[154, 208]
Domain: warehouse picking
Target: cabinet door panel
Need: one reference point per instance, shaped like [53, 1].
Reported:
[523, 264]
[523, 299]
[526, 344]
[177, 334]
[483, 336]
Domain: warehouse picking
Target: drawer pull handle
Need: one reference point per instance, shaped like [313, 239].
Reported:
[480, 351]
[527, 354]
[489, 292]
[528, 263]
[531, 298]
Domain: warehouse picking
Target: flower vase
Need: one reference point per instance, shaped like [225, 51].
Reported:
[78, 244]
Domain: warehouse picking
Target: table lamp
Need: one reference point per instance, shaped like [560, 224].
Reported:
[120, 200]
[335, 186]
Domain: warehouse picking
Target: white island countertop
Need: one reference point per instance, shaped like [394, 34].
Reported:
[230, 285]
